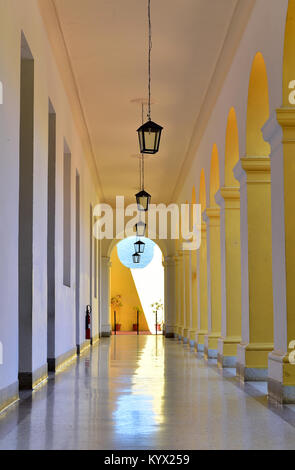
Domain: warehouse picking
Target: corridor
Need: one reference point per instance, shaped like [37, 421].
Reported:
[144, 392]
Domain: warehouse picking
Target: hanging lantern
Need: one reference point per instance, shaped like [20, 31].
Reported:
[149, 135]
[143, 200]
[140, 229]
[136, 258]
[139, 247]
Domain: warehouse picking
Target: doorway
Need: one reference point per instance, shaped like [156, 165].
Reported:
[136, 288]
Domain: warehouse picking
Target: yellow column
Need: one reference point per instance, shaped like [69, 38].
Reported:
[203, 313]
[194, 298]
[229, 200]
[281, 380]
[212, 217]
[256, 245]
[187, 299]
[177, 295]
[181, 294]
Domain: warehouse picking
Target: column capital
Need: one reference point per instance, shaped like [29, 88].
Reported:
[106, 260]
[212, 215]
[286, 119]
[257, 169]
[255, 163]
[228, 197]
[169, 261]
[176, 259]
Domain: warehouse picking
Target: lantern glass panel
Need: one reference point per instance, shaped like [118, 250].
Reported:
[136, 258]
[150, 138]
[139, 247]
[140, 229]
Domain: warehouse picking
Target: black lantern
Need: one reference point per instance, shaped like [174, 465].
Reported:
[149, 135]
[140, 229]
[136, 258]
[139, 247]
[143, 200]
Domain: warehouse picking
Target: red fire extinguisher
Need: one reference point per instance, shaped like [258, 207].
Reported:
[88, 322]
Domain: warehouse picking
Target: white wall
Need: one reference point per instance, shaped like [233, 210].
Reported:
[15, 16]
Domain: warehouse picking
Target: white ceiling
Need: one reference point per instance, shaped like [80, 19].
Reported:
[107, 46]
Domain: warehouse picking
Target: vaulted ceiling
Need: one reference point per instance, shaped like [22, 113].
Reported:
[106, 43]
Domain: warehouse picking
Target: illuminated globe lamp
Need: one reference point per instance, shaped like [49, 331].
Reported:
[136, 258]
[149, 135]
[139, 247]
[140, 229]
[143, 200]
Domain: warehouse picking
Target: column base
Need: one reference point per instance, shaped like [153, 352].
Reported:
[281, 378]
[178, 330]
[227, 351]
[55, 363]
[200, 340]
[180, 333]
[169, 331]
[192, 338]
[211, 346]
[252, 361]
[185, 336]
[94, 340]
[30, 380]
[106, 331]
[81, 348]
[8, 396]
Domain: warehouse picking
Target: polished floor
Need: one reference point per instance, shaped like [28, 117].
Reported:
[145, 392]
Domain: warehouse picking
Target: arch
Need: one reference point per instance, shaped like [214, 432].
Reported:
[202, 194]
[258, 108]
[289, 56]
[131, 284]
[231, 149]
[214, 176]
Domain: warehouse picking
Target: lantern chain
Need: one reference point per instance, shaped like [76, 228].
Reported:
[149, 58]
[141, 164]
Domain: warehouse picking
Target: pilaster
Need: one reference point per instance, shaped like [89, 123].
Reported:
[212, 218]
[228, 198]
[254, 175]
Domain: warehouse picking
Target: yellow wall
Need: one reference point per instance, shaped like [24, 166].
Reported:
[122, 283]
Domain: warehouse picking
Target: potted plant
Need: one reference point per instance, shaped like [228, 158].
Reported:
[157, 307]
[116, 303]
[138, 311]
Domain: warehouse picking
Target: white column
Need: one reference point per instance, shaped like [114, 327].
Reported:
[170, 296]
[105, 324]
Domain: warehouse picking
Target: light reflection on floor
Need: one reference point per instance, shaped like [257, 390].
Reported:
[140, 409]
[143, 392]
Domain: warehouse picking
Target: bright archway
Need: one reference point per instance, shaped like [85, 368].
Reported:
[138, 286]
